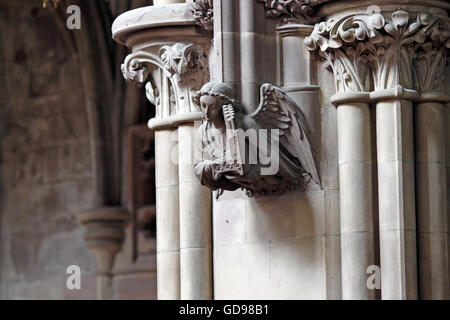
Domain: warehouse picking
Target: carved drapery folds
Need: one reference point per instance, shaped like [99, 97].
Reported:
[203, 13]
[173, 75]
[278, 125]
[402, 49]
[293, 11]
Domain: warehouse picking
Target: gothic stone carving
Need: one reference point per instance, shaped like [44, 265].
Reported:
[293, 11]
[184, 66]
[187, 62]
[203, 13]
[226, 160]
[406, 49]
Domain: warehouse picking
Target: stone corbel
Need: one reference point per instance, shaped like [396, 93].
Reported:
[104, 235]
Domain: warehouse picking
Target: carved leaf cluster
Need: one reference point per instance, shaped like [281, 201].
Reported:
[353, 45]
[203, 13]
[292, 11]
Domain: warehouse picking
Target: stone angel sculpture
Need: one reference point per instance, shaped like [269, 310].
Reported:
[231, 152]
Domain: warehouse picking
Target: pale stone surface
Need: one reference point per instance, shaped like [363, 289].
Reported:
[167, 216]
[196, 273]
[356, 204]
[319, 243]
[253, 238]
[395, 153]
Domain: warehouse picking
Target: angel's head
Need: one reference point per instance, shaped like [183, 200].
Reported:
[211, 97]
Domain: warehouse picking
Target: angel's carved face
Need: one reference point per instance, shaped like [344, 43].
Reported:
[211, 108]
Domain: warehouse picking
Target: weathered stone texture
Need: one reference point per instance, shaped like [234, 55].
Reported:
[45, 170]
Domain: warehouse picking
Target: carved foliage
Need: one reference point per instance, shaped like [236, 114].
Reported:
[187, 62]
[292, 11]
[181, 68]
[135, 71]
[398, 50]
[203, 13]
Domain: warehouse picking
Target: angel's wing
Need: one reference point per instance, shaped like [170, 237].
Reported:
[278, 111]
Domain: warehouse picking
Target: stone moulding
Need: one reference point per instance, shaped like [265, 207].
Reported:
[403, 48]
[146, 18]
[203, 12]
[393, 93]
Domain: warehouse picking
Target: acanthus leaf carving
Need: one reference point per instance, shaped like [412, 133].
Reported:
[293, 11]
[395, 50]
[203, 12]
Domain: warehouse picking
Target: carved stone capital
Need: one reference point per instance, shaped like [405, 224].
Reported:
[399, 48]
[293, 11]
[172, 75]
[203, 13]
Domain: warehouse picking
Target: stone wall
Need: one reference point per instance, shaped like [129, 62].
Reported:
[46, 165]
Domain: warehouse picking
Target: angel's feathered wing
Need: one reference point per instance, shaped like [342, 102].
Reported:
[278, 111]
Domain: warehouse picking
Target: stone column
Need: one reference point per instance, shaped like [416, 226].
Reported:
[395, 91]
[170, 56]
[167, 216]
[356, 208]
[227, 44]
[104, 235]
[387, 46]
[252, 52]
[395, 157]
[298, 74]
[431, 173]
[355, 167]
[195, 224]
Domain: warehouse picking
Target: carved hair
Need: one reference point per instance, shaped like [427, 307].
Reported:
[219, 90]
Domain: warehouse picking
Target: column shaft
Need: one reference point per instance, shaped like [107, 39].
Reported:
[226, 42]
[167, 216]
[356, 207]
[195, 224]
[431, 201]
[395, 156]
[251, 52]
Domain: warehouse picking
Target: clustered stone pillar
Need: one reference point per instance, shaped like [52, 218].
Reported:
[355, 172]
[356, 207]
[402, 51]
[170, 55]
[226, 44]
